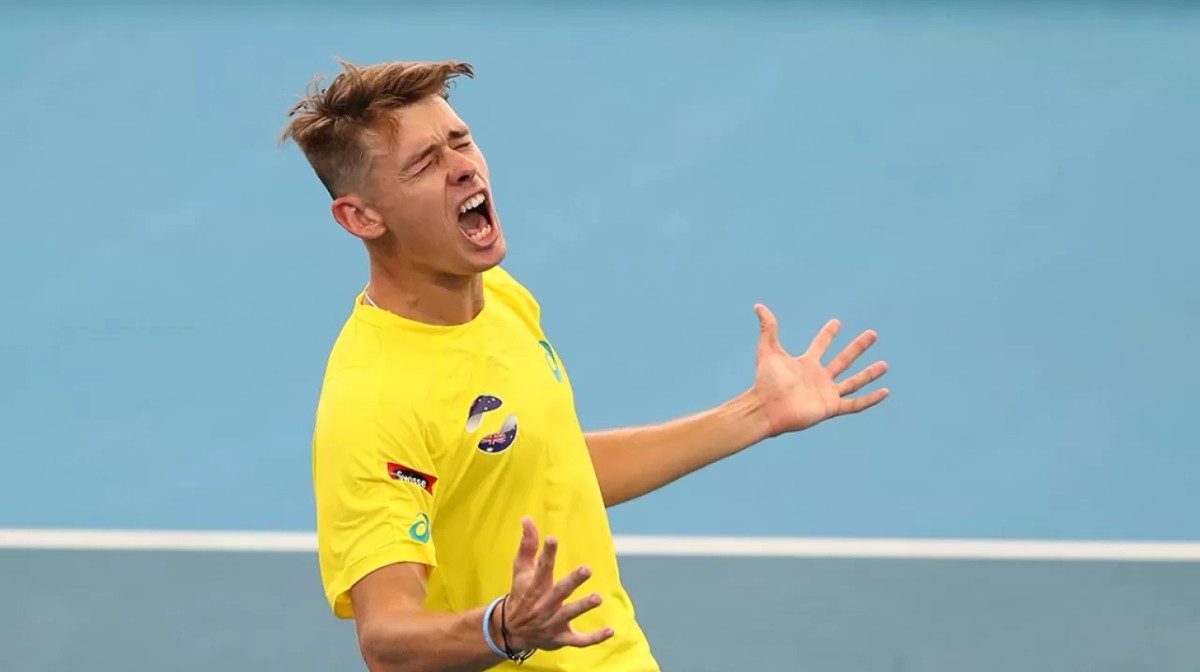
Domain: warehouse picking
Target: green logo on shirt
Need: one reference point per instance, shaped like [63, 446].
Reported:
[420, 529]
[551, 360]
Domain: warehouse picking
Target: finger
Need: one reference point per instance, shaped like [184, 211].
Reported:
[859, 404]
[846, 357]
[820, 344]
[862, 378]
[568, 584]
[575, 609]
[768, 328]
[581, 639]
[527, 551]
[544, 574]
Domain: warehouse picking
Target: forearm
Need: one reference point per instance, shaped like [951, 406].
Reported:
[423, 641]
[632, 462]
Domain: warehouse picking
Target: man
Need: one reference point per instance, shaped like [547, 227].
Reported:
[460, 507]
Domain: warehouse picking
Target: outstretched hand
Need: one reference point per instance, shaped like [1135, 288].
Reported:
[798, 392]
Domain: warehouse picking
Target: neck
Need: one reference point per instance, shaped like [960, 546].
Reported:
[423, 296]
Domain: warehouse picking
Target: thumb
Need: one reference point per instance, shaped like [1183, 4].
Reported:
[768, 338]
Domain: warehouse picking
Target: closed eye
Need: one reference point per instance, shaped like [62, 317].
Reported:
[415, 172]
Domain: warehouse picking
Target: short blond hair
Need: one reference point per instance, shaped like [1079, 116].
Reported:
[334, 126]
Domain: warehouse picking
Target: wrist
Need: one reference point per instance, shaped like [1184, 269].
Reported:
[514, 647]
[499, 638]
[748, 414]
[505, 637]
[492, 629]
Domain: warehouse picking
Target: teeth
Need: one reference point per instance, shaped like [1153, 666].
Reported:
[481, 233]
[474, 202]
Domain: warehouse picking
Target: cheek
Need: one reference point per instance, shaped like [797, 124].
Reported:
[423, 225]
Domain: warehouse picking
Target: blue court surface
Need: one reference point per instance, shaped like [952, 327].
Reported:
[1005, 191]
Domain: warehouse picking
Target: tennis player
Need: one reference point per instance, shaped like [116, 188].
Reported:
[461, 513]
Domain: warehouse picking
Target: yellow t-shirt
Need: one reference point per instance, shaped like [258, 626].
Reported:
[432, 442]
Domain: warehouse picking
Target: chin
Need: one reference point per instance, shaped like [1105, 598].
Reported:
[493, 256]
[498, 254]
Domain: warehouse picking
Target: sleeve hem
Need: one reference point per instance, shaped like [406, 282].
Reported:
[338, 591]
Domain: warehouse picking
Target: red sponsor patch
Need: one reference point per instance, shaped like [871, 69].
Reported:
[409, 475]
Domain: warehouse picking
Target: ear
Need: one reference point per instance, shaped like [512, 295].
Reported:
[358, 218]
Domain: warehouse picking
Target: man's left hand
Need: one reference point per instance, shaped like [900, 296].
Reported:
[795, 393]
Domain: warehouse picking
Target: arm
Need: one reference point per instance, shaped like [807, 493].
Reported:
[789, 394]
[631, 462]
[397, 634]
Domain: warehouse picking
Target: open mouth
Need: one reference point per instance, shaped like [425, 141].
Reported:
[475, 220]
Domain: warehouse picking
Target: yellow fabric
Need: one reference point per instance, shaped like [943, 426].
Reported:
[396, 398]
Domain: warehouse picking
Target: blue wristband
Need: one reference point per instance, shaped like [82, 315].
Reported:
[487, 631]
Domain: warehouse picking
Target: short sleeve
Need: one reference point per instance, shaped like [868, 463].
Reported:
[374, 485]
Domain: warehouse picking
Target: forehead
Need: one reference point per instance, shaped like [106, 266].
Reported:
[431, 120]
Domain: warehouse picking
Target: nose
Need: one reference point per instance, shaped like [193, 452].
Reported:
[463, 170]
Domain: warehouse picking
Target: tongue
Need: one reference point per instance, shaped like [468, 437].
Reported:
[472, 222]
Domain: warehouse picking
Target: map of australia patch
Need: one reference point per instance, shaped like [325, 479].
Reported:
[484, 403]
[498, 442]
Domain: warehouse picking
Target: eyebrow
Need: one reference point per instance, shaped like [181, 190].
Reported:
[455, 134]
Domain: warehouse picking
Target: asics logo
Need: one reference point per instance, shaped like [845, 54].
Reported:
[419, 530]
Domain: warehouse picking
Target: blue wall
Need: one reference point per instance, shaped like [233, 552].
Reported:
[1006, 192]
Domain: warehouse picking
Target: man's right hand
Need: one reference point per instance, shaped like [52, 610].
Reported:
[536, 614]
[397, 634]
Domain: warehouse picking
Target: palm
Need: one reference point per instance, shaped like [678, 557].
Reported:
[799, 392]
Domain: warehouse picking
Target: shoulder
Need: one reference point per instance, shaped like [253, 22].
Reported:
[367, 392]
[501, 284]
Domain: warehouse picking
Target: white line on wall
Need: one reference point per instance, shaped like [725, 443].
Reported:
[669, 546]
